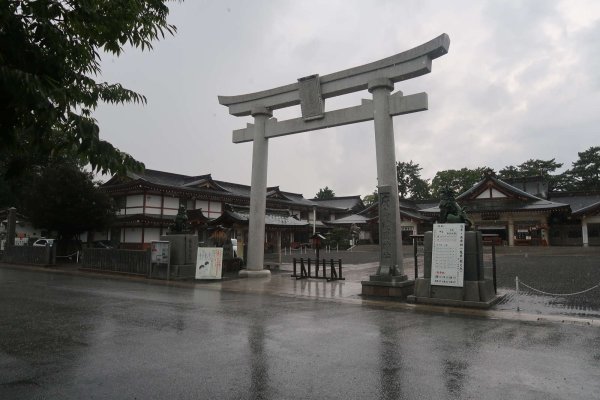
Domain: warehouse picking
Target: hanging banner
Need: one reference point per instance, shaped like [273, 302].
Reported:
[448, 255]
[209, 263]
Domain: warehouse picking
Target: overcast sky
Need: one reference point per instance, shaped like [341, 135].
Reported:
[521, 81]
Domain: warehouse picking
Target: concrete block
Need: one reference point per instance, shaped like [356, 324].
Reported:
[422, 287]
[447, 292]
[399, 290]
[471, 290]
[486, 290]
[184, 248]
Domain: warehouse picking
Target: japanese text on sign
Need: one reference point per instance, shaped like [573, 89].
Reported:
[209, 263]
[448, 255]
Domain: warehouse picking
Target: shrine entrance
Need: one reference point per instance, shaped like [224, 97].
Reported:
[310, 92]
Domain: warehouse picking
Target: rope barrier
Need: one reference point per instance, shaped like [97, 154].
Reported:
[519, 282]
[559, 294]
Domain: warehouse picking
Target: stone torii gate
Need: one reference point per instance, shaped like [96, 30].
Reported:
[310, 92]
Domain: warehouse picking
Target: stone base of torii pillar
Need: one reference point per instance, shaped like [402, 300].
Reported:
[389, 281]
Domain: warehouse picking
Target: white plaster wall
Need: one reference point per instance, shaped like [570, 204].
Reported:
[170, 212]
[153, 200]
[133, 235]
[171, 202]
[153, 204]
[135, 210]
[216, 207]
[203, 204]
[135, 200]
[151, 234]
[211, 209]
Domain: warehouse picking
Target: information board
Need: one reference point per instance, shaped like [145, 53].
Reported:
[448, 255]
[209, 263]
[160, 252]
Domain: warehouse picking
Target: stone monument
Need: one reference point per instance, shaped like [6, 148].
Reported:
[454, 273]
[183, 244]
[310, 93]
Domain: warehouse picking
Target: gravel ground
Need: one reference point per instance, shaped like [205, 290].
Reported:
[561, 274]
[557, 270]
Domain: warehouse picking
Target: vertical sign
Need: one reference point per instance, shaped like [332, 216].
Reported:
[209, 263]
[387, 231]
[448, 255]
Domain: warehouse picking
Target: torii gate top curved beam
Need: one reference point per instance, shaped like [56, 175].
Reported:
[408, 64]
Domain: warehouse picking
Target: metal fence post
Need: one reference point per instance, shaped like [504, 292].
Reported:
[517, 284]
[494, 267]
[416, 259]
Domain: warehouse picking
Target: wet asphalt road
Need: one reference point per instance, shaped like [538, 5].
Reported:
[77, 337]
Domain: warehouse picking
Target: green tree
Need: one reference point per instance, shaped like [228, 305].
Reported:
[530, 168]
[410, 183]
[585, 172]
[458, 180]
[325, 193]
[49, 62]
[65, 199]
[370, 199]
[537, 167]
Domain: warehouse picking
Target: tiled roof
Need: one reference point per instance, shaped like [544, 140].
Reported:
[516, 200]
[272, 218]
[351, 219]
[580, 202]
[204, 184]
[168, 178]
[343, 202]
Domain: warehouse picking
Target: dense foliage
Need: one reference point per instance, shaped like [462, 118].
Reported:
[585, 172]
[325, 194]
[49, 62]
[64, 199]
[459, 180]
[410, 183]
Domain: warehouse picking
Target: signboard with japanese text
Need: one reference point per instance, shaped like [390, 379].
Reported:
[448, 255]
[209, 263]
[160, 253]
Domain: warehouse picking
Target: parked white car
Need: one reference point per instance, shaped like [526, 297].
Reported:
[43, 242]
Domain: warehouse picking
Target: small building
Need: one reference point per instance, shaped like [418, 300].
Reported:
[147, 204]
[513, 215]
[582, 226]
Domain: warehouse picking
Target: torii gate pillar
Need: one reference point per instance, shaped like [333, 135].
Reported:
[385, 151]
[258, 199]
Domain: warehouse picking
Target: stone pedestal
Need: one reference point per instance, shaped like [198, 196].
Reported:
[398, 288]
[389, 281]
[478, 288]
[184, 250]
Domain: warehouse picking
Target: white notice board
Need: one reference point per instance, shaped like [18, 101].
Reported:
[448, 255]
[209, 263]
[160, 252]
